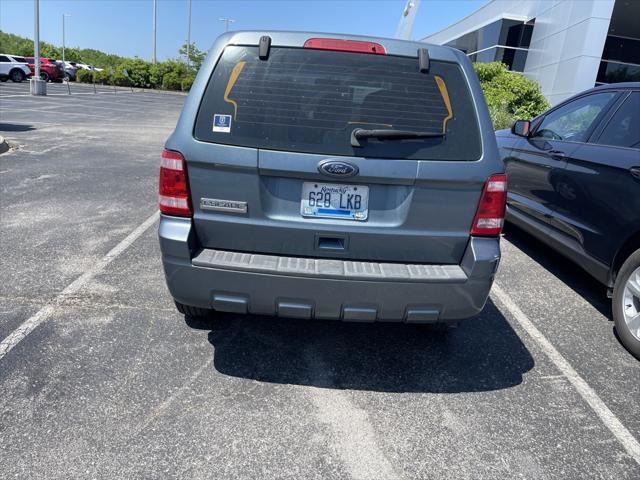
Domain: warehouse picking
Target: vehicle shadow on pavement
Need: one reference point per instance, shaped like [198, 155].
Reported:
[483, 354]
[15, 127]
[568, 272]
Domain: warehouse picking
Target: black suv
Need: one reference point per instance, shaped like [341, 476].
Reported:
[574, 182]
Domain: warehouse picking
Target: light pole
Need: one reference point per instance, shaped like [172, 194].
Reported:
[64, 65]
[189, 38]
[155, 19]
[226, 21]
[38, 86]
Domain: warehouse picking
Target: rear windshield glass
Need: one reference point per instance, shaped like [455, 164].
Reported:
[304, 100]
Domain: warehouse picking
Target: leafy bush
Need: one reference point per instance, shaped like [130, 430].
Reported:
[510, 95]
[84, 76]
[139, 72]
[501, 117]
[103, 77]
[119, 78]
[171, 81]
[187, 82]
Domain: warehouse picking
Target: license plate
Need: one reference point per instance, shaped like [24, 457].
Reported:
[327, 200]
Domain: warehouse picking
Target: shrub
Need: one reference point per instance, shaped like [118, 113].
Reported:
[139, 72]
[120, 79]
[84, 76]
[171, 81]
[509, 95]
[156, 74]
[187, 82]
[103, 77]
[501, 117]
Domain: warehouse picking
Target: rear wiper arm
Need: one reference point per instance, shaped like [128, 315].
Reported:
[386, 134]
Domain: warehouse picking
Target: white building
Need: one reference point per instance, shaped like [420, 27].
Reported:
[566, 45]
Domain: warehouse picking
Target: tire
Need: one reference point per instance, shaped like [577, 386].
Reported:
[17, 76]
[626, 304]
[194, 312]
[44, 76]
[4, 79]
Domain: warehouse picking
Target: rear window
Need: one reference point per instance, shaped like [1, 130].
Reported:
[20, 59]
[305, 100]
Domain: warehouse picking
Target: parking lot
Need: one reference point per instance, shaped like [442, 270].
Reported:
[102, 378]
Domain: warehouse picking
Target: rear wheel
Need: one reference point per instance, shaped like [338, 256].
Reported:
[44, 76]
[17, 76]
[626, 304]
[195, 312]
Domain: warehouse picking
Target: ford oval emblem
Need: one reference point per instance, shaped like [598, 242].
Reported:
[336, 168]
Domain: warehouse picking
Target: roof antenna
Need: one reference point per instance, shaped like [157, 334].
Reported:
[423, 60]
[264, 46]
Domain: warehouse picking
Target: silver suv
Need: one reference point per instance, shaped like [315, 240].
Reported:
[332, 177]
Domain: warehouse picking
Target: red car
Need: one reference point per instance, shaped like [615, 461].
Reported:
[49, 69]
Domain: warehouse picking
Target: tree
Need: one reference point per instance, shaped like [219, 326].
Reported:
[509, 95]
[196, 56]
[49, 51]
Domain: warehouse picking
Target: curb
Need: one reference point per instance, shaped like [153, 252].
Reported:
[4, 146]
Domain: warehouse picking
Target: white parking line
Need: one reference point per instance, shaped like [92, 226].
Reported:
[624, 436]
[45, 312]
[60, 94]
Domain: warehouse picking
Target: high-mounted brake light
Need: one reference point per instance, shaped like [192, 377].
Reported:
[338, 45]
[174, 198]
[489, 217]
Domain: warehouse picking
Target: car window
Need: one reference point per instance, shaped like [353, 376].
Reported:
[20, 59]
[623, 130]
[4, 59]
[573, 121]
[305, 100]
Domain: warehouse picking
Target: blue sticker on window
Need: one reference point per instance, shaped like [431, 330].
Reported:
[221, 123]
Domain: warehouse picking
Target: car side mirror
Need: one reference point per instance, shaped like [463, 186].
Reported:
[522, 128]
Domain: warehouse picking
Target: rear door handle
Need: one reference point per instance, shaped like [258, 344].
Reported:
[635, 171]
[557, 154]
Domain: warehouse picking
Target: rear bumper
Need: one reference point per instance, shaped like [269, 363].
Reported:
[322, 288]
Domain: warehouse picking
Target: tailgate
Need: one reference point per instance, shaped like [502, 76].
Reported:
[266, 125]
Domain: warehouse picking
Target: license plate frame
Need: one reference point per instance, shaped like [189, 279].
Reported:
[338, 201]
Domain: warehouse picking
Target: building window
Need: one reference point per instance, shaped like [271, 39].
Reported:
[505, 41]
[621, 53]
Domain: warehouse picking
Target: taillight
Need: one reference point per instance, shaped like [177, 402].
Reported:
[338, 45]
[174, 196]
[489, 217]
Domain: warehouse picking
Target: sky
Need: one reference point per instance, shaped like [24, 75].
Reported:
[125, 27]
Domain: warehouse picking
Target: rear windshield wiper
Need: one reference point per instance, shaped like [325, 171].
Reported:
[386, 134]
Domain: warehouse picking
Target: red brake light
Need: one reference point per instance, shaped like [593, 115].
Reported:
[489, 217]
[345, 45]
[174, 198]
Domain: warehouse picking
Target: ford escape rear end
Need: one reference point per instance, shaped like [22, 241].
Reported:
[332, 177]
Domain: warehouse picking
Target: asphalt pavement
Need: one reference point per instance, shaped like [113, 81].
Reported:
[103, 378]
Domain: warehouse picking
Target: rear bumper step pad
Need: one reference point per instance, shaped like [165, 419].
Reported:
[329, 268]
